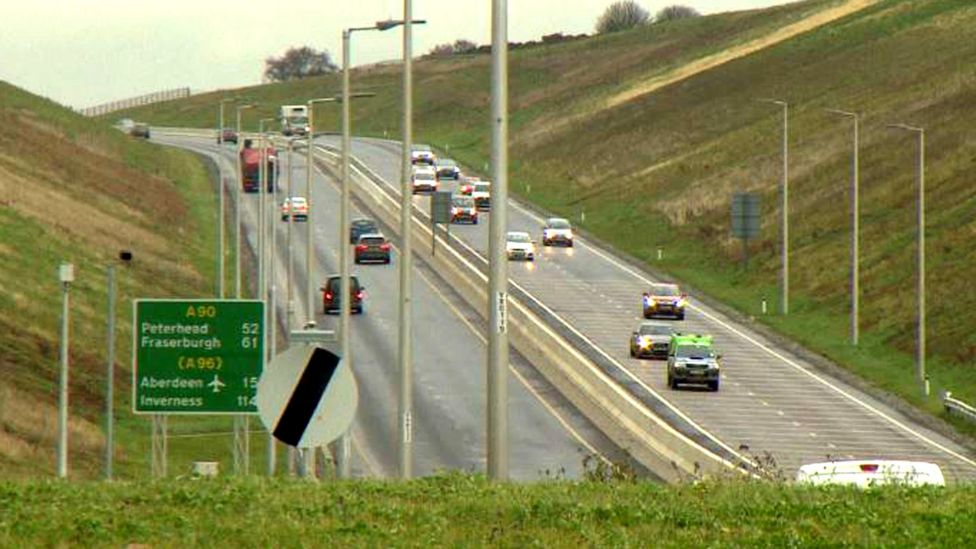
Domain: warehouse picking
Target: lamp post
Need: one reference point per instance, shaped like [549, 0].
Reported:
[855, 224]
[220, 191]
[237, 197]
[498, 264]
[920, 374]
[263, 267]
[125, 256]
[242, 452]
[66, 275]
[345, 287]
[785, 207]
[309, 247]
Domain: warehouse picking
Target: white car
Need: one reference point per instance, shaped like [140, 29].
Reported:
[481, 193]
[871, 472]
[519, 245]
[421, 154]
[424, 179]
[557, 231]
[297, 206]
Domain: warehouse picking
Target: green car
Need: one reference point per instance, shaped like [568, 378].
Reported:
[693, 360]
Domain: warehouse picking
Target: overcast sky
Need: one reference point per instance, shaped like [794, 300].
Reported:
[84, 52]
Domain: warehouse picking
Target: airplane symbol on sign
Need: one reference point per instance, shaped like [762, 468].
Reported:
[216, 384]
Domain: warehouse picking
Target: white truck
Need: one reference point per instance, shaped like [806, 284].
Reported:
[294, 119]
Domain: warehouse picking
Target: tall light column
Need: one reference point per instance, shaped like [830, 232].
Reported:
[405, 335]
[309, 245]
[237, 210]
[498, 263]
[345, 290]
[855, 283]
[920, 353]
[220, 191]
[66, 275]
[785, 207]
[263, 266]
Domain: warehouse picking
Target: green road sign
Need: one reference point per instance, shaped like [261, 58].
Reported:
[196, 356]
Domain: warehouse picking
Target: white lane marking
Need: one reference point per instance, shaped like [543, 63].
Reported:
[776, 354]
[477, 333]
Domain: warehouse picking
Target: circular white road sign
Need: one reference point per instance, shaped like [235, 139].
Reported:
[307, 397]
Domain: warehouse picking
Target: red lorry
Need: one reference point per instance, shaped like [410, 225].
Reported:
[251, 167]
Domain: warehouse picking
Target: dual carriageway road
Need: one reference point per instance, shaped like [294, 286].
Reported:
[771, 401]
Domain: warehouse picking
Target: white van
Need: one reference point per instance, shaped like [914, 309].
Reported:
[871, 472]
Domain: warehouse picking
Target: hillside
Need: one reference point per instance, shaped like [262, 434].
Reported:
[76, 190]
[655, 166]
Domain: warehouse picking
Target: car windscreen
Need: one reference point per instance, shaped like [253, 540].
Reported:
[423, 176]
[559, 224]
[482, 188]
[519, 238]
[463, 202]
[421, 148]
[664, 290]
[694, 351]
[372, 241]
[334, 284]
[655, 330]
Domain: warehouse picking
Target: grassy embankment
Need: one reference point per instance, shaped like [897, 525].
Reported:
[469, 511]
[73, 189]
[658, 170]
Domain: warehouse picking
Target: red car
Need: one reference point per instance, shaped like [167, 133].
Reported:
[331, 303]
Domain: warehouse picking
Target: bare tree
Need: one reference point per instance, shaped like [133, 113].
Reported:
[459, 46]
[464, 46]
[622, 15]
[676, 11]
[298, 63]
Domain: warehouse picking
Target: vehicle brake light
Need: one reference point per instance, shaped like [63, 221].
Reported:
[359, 294]
[328, 295]
[361, 248]
[869, 467]
[385, 247]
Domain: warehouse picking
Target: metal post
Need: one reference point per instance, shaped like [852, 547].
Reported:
[66, 277]
[160, 444]
[785, 299]
[498, 265]
[110, 377]
[289, 298]
[263, 269]
[405, 355]
[920, 351]
[920, 360]
[309, 234]
[237, 210]
[855, 197]
[344, 288]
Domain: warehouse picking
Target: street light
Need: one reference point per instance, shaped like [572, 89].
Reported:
[242, 452]
[66, 275]
[498, 264]
[263, 265]
[855, 224]
[237, 195]
[310, 249]
[785, 246]
[220, 123]
[344, 288]
[920, 375]
[125, 256]
[220, 190]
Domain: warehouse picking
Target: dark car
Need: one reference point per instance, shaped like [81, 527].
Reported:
[447, 169]
[227, 135]
[463, 210]
[372, 247]
[331, 303]
[651, 340]
[692, 360]
[361, 226]
[557, 231]
[140, 129]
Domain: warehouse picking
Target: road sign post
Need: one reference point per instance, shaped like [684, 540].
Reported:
[440, 212]
[196, 356]
[745, 220]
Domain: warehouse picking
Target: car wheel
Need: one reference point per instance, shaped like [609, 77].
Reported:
[632, 354]
[570, 245]
[681, 316]
[671, 383]
[356, 261]
[647, 315]
[713, 386]
[545, 242]
[387, 261]
[359, 310]
[475, 222]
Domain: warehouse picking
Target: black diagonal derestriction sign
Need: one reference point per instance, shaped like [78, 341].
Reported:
[306, 396]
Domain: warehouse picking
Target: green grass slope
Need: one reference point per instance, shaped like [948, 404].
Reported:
[461, 511]
[659, 170]
[74, 189]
